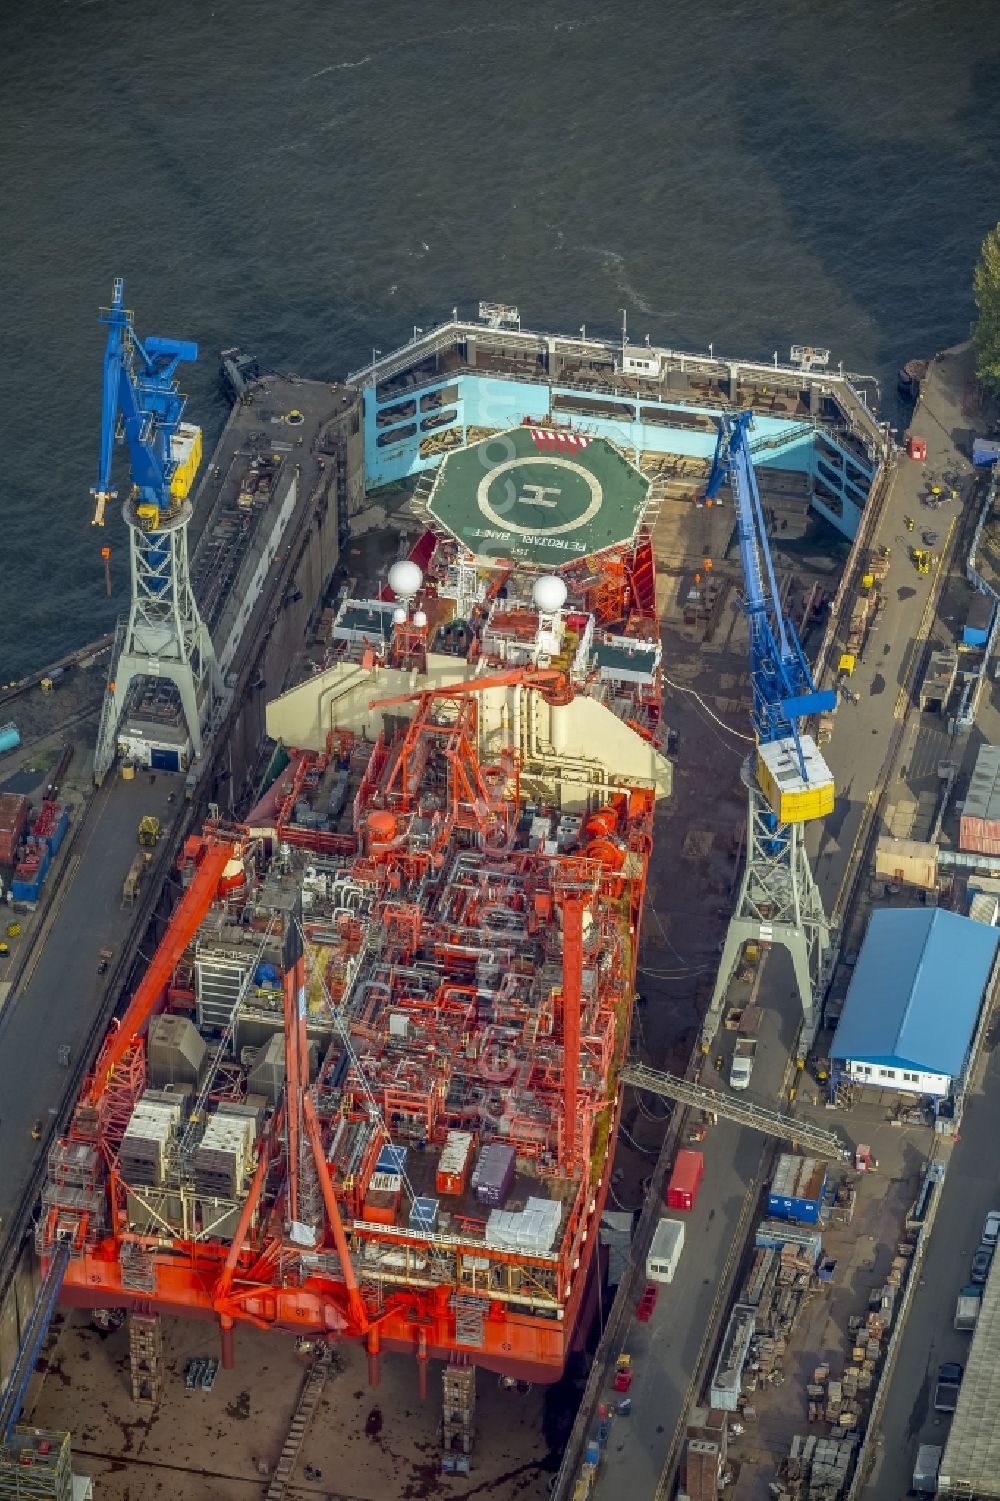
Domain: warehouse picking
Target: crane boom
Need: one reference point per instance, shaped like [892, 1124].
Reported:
[782, 684]
[142, 404]
[551, 682]
[783, 688]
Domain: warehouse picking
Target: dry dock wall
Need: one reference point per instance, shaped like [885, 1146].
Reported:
[303, 567]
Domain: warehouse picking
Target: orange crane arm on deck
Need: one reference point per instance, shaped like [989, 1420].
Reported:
[551, 681]
[182, 927]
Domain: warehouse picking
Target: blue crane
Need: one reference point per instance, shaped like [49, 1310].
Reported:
[783, 688]
[143, 405]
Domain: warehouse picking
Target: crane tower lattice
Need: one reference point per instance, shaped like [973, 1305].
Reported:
[165, 636]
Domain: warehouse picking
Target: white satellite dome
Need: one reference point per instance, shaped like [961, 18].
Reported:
[549, 593]
[398, 615]
[405, 579]
[419, 619]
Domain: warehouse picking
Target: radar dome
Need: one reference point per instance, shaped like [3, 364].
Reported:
[419, 619]
[405, 579]
[398, 615]
[549, 593]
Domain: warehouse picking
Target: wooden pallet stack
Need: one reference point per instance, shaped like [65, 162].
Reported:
[817, 1469]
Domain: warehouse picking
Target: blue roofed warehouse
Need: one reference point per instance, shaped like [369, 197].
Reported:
[914, 1000]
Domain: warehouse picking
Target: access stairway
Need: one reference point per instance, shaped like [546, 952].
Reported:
[744, 1112]
[312, 1390]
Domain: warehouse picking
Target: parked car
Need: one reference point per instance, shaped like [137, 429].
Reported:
[991, 1229]
[981, 1263]
[948, 1382]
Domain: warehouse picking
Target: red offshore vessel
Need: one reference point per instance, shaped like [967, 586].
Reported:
[368, 1085]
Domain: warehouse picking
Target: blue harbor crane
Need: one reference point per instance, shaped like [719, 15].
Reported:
[164, 635]
[788, 781]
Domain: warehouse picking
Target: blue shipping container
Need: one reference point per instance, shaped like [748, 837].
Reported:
[55, 839]
[28, 891]
[797, 1189]
[391, 1160]
[10, 738]
[777, 1233]
[801, 1211]
[984, 451]
[424, 1214]
[978, 621]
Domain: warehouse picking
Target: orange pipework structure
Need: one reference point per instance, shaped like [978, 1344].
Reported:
[366, 1088]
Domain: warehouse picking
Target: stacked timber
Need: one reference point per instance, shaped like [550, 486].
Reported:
[817, 1469]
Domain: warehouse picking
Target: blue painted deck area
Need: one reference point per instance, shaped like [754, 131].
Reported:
[392, 447]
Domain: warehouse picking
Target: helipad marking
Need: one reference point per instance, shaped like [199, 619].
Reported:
[486, 484]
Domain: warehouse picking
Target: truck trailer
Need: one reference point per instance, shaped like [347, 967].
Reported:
[967, 1309]
[665, 1251]
[745, 1050]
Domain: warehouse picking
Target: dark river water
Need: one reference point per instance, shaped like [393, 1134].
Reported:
[312, 178]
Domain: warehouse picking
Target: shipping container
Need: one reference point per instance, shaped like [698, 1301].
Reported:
[30, 873]
[390, 1159]
[494, 1173]
[25, 889]
[797, 1189]
[685, 1180]
[967, 1309]
[13, 816]
[10, 737]
[908, 861]
[665, 1251]
[985, 451]
[424, 1214]
[49, 825]
[453, 1164]
[976, 630]
[385, 1190]
[925, 1471]
[778, 1233]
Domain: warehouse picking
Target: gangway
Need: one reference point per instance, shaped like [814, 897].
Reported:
[30, 1347]
[744, 1112]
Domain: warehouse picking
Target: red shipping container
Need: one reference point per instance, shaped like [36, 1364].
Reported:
[682, 1190]
[917, 449]
[13, 817]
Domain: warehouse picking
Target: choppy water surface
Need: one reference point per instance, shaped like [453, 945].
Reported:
[312, 179]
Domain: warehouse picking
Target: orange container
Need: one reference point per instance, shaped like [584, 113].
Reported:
[385, 1191]
[453, 1165]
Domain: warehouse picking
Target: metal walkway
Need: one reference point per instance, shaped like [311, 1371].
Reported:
[743, 1112]
[31, 1343]
[312, 1390]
